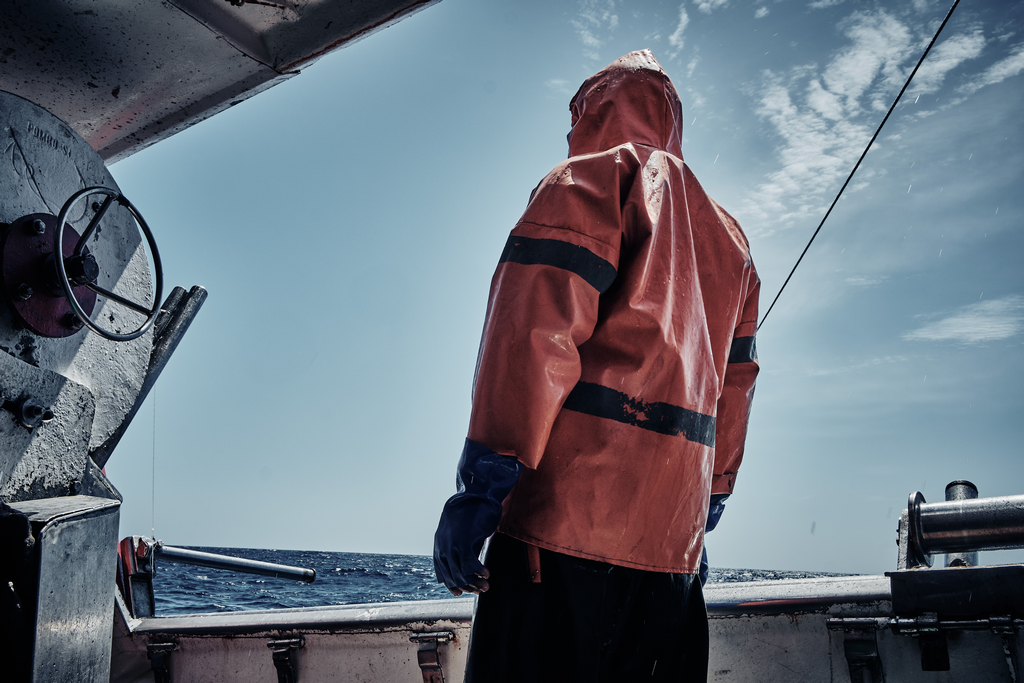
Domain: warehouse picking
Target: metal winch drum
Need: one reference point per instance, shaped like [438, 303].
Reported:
[77, 327]
[84, 333]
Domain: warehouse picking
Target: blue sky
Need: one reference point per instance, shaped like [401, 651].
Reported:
[347, 223]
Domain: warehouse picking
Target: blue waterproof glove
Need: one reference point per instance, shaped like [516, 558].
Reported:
[715, 510]
[484, 480]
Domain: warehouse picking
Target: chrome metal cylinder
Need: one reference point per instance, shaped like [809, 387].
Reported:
[961, 490]
[966, 525]
[235, 564]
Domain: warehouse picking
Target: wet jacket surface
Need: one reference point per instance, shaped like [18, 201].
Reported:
[617, 361]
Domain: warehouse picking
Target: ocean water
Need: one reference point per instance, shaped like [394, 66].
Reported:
[341, 578]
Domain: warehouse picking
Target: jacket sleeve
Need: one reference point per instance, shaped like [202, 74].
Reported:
[543, 305]
[737, 394]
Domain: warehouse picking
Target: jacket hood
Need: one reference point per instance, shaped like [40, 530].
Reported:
[630, 100]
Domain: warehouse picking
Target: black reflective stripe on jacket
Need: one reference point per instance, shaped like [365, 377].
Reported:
[663, 418]
[598, 273]
[743, 350]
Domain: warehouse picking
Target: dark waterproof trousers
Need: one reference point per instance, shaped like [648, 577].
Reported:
[585, 621]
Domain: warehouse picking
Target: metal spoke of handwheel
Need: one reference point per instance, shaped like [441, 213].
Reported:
[144, 310]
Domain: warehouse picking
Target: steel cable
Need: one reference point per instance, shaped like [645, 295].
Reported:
[857, 165]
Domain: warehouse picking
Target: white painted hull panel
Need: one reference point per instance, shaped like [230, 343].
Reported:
[761, 632]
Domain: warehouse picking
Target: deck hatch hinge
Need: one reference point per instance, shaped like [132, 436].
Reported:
[427, 655]
[860, 646]
[932, 632]
[1006, 629]
[159, 655]
[281, 651]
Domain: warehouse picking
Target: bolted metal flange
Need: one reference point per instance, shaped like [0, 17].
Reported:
[32, 414]
[29, 275]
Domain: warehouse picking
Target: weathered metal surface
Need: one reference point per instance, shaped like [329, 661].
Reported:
[907, 557]
[769, 648]
[761, 632]
[50, 459]
[768, 631]
[959, 527]
[42, 163]
[96, 483]
[795, 596]
[788, 648]
[351, 643]
[126, 75]
[968, 525]
[76, 538]
[959, 592]
[780, 631]
[295, 34]
[961, 490]
[334, 617]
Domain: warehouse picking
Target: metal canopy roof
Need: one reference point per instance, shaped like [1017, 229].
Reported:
[127, 74]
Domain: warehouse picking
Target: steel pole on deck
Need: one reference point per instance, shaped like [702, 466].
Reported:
[237, 564]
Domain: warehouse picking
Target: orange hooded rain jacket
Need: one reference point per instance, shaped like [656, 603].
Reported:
[617, 361]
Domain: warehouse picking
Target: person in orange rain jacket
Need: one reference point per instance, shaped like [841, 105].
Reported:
[610, 405]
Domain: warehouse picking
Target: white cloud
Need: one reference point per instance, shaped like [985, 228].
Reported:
[998, 72]
[693, 100]
[676, 39]
[706, 6]
[818, 147]
[823, 116]
[861, 281]
[824, 102]
[855, 367]
[821, 4]
[692, 66]
[595, 19]
[944, 58]
[986, 321]
[879, 44]
[761, 12]
[598, 13]
[588, 38]
[559, 86]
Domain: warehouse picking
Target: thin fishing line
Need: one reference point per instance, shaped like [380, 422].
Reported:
[152, 495]
[857, 165]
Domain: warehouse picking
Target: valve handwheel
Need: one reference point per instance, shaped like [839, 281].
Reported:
[81, 269]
